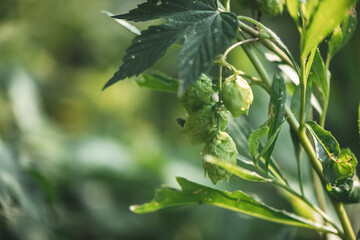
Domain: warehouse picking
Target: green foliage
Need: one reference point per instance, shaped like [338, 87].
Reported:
[318, 74]
[276, 112]
[236, 170]
[206, 32]
[328, 15]
[195, 194]
[254, 139]
[158, 81]
[269, 7]
[339, 167]
[341, 35]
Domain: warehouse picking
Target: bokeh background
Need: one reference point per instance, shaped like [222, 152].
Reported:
[73, 158]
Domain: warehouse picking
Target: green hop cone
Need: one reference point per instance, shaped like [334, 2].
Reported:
[200, 123]
[198, 94]
[223, 148]
[269, 7]
[237, 95]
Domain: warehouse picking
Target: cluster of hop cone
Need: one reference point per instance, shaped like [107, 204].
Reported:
[208, 115]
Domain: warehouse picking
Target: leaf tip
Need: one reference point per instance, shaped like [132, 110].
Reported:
[133, 208]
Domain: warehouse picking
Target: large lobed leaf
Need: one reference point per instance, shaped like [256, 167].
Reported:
[194, 194]
[205, 31]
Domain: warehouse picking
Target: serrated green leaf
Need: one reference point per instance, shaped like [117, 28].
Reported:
[237, 170]
[146, 49]
[328, 15]
[195, 194]
[158, 81]
[206, 31]
[154, 9]
[276, 112]
[254, 139]
[326, 146]
[318, 74]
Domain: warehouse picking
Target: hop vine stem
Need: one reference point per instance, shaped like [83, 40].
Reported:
[348, 233]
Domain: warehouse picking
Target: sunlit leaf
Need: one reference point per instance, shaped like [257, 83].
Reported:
[318, 74]
[195, 194]
[328, 15]
[341, 35]
[293, 8]
[308, 8]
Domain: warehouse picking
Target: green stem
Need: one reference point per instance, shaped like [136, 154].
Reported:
[327, 94]
[305, 142]
[344, 219]
[303, 82]
[299, 157]
[267, 43]
[220, 88]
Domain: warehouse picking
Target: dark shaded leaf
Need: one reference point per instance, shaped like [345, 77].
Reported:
[154, 9]
[207, 33]
[338, 167]
[195, 194]
[326, 146]
[276, 112]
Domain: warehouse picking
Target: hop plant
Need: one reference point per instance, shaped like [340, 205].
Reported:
[237, 95]
[223, 148]
[198, 94]
[269, 7]
[200, 122]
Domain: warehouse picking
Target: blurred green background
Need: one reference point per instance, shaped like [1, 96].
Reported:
[73, 158]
